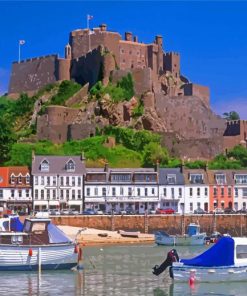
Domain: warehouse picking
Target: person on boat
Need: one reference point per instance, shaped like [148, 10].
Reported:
[172, 256]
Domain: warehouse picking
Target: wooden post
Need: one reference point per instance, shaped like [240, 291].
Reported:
[112, 221]
[39, 261]
[214, 223]
[183, 224]
[146, 222]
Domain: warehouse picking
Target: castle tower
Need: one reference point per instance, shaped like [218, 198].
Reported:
[160, 62]
[67, 53]
[172, 63]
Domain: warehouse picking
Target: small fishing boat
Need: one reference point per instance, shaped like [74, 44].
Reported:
[193, 237]
[226, 260]
[38, 244]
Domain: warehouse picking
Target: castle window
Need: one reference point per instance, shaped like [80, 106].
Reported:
[44, 167]
[70, 166]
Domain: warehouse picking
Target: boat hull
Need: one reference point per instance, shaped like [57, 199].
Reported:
[195, 240]
[53, 257]
[209, 274]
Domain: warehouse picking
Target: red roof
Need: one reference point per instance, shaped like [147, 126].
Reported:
[6, 172]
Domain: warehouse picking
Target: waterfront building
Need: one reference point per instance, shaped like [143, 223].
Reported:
[196, 190]
[58, 182]
[116, 190]
[240, 189]
[171, 189]
[220, 189]
[15, 189]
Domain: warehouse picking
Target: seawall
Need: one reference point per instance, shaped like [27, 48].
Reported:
[235, 225]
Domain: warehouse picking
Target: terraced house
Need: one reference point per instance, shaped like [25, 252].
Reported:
[240, 189]
[58, 182]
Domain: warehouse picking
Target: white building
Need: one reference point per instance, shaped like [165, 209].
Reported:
[240, 189]
[171, 189]
[121, 189]
[58, 182]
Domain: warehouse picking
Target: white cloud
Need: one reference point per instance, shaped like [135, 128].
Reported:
[237, 104]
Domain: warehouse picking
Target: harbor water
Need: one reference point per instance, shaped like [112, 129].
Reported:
[115, 270]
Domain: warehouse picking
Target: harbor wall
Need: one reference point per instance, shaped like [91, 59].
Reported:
[235, 225]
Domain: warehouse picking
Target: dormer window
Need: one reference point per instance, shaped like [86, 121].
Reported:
[19, 179]
[27, 179]
[196, 178]
[12, 179]
[220, 179]
[171, 179]
[70, 166]
[240, 179]
[44, 167]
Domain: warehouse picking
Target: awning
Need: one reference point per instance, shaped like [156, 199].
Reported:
[75, 202]
[54, 202]
[40, 202]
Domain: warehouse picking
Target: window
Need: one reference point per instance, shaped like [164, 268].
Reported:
[79, 181]
[73, 194]
[220, 179]
[70, 166]
[1, 193]
[146, 192]
[222, 191]
[54, 194]
[27, 192]
[172, 191]
[196, 178]
[95, 191]
[113, 191]
[88, 191]
[179, 192]
[121, 191]
[152, 191]
[73, 181]
[20, 179]
[20, 193]
[198, 205]
[198, 192]
[67, 181]
[42, 194]
[61, 194]
[191, 192]
[42, 180]
[215, 191]
[164, 191]
[229, 191]
[121, 177]
[236, 192]
[48, 180]
[138, 191]
[36, 180]
[61, 181]
[171, 179]
[241, 179]
[67, 194]
[48, 194]
[27, 179]
[44, 167]
[206, 191]
[12, 193]
[12, 178]
[129, 191]
[54, 181]
[104, 191]
[241, 251]
[245, 192]
[191, 207]
[244, 205]
[36, 194]
[79, 194]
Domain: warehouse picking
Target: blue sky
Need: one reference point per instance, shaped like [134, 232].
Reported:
[210, 36]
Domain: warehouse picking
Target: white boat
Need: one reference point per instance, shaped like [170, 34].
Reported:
[224, 261]
[193, 237]
[39, 245]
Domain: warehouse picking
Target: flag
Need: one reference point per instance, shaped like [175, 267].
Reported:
[22, 42]
[89, 17]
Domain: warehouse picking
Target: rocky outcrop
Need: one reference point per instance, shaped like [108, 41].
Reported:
[78, 97]
[151, 121]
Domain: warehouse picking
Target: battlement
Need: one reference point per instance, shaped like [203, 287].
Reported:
[234, 122]
[37, 58]
[172, 53]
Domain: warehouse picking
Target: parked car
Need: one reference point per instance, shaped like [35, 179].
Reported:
[242, 211]
[130, 211]
[152, 212]
[199, 211]
[165, 211]
[65, 212]
[229, 211]
[218, 211]
[99, 212]
[89, 212]
[54, 212]
[122, 212]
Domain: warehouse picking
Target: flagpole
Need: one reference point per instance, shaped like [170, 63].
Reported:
[19, 57]
[89, 40]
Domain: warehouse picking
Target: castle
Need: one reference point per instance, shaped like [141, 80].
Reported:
[84, 58]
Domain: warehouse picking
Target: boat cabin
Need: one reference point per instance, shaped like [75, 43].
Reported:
[193, 229]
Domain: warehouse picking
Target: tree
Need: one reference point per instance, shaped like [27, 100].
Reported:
[232, 115]
[7, 138]
[154, 153]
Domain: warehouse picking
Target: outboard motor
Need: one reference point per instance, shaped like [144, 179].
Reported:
[172, 256]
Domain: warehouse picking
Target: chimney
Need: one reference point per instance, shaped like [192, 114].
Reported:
[103, 27]
[33, 155]
[135, 39]
[128, 36]
[83, 158]
[106, 166]
[206, 166]
[157, 166]
[182, 166]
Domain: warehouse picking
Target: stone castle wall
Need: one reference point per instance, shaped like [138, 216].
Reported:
[235, 134]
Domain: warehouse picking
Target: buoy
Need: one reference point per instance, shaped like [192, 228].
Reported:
[192, 279]
[30, 252]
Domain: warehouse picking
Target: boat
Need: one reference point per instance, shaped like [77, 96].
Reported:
[193, 237]
[129, 233]
[36, 244]
[226, 260]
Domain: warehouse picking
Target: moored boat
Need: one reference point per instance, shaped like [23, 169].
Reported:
[40, 244]
[224, 261]
[193, 237]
